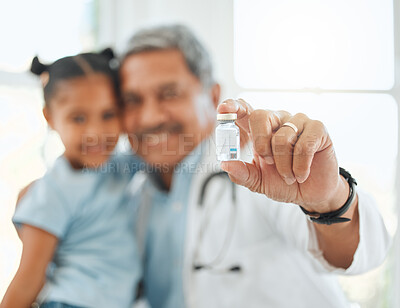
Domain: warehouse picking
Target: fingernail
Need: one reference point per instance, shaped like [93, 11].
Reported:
[269, 160]
[289, 181]
[300, 179]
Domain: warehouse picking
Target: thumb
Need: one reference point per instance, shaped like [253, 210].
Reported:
[243, 173]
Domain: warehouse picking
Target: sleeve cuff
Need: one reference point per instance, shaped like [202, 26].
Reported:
[373, 245]
[18, 223]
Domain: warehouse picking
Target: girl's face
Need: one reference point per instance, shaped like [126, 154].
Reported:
[85, 114]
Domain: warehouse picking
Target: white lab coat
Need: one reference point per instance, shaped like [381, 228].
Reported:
[273, 243]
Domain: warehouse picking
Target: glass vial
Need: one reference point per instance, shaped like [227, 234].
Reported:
[227, 137]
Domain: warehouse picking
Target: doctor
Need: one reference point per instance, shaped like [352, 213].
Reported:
[207, 242]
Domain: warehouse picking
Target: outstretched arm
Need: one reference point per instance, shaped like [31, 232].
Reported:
[297, 167]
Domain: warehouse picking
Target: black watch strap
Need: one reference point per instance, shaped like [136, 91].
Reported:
[335, 216]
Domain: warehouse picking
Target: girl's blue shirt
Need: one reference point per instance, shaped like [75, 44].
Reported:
[96, 263]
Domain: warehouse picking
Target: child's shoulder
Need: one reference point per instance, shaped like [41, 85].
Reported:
[61, 183]
[48, 204]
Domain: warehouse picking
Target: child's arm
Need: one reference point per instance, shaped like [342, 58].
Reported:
[37, 252]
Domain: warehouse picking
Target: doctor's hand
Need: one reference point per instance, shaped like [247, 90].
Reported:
[289, 166]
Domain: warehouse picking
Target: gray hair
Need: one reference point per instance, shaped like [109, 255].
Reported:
[175, 37]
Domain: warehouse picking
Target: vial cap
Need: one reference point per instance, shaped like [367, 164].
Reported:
[226, 116]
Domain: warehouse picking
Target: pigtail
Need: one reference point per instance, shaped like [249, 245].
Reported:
[113, 62]
[108, 53]
[37, 67]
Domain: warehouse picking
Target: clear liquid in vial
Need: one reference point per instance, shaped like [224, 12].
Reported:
[227, 138]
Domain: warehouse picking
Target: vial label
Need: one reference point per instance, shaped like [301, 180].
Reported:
[227, 142]
[233, 153]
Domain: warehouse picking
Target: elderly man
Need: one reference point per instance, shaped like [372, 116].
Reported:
[210, 243]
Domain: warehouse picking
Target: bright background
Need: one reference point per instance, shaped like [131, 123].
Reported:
[336, 61]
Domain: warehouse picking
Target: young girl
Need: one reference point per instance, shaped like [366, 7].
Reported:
[76, 223]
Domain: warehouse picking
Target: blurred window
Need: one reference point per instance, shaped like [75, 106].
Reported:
[292, 44]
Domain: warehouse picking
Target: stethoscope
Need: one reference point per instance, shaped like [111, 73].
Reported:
[143, 217]
[212, 265]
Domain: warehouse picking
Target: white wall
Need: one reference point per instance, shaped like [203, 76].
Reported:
[211, 20]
